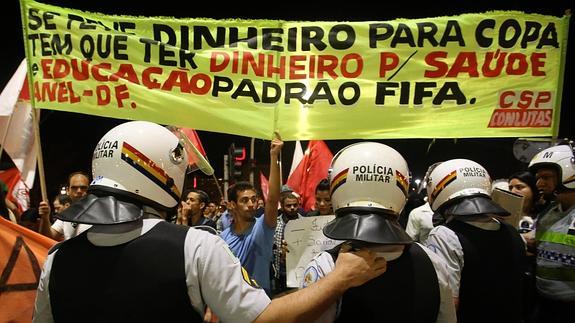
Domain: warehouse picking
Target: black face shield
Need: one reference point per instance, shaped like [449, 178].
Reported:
[366, 224]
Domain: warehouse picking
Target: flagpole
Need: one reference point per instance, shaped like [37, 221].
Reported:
[36, 124]
[280, 164]
[252, 166]
[218, 185]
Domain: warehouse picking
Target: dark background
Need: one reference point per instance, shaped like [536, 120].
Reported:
[68, 139]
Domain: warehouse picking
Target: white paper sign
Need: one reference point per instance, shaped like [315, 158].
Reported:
[305, 239]
[511, 202]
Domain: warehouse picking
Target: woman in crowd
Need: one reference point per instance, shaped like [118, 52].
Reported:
[523, 183]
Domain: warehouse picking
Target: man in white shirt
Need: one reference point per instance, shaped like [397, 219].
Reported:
[420, 222]
[77, 187]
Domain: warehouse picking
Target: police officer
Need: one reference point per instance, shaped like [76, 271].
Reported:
[369, 186]
[485, 256]
[132, 266]
[555, 235]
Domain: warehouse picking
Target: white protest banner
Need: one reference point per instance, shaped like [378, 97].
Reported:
[305, 239]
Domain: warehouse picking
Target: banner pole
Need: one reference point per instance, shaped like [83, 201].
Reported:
[36, 123]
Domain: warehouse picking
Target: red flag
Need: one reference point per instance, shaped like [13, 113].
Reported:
[18, 192]
[312, 169]
[193, 136]
[265, 186]
[196, 155]
[22, 256]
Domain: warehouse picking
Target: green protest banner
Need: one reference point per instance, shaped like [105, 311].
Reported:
[496, 74]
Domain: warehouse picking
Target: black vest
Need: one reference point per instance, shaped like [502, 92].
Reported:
[142, 280]
[407, 292]
[491, 286]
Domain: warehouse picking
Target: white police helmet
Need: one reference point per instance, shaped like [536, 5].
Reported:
[559, 158]
[369, 174]
[454, 179]
[369, 183]
[143, 161]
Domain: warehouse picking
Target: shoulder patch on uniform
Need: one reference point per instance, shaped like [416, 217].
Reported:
[433, 247]
[252, 282]
[310, 276]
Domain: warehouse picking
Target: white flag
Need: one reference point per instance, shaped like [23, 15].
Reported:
[20, 142]
[12, 90]
[297, 157]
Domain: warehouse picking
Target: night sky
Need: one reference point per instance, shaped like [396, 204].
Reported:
[68, 139]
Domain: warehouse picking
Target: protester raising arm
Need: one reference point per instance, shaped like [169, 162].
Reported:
[271, 205]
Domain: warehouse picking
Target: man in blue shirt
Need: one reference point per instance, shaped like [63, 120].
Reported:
[250, 238]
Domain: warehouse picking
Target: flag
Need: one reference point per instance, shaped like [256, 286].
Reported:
[265, 185]
[22, 256]
[197, 157]
[312, 169]
[18, 192]
[297, 157]
[193, 136]
[12, 90]
[17, 128]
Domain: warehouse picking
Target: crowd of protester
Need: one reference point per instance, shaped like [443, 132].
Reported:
[538, 253]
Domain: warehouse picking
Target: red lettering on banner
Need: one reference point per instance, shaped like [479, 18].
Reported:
[294, 67]
[490, 64]
[514, 118]
[523, 109]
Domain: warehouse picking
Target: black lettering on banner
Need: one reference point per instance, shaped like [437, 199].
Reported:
[103, 45]
[87, 47]
[271, 92]
[221, 84]
[312, 35]
[449, 91]
[51, 44]
[403, 34]
[452, 33]
[203, 32]
[251, 38]
[246, 89]
[354, 87]
[295, 91]
[346, 42]
[321, 92]
[426, 31]
[35, 21]
[347, 94]
[269, 40]
[511, 32]
[165, 45]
